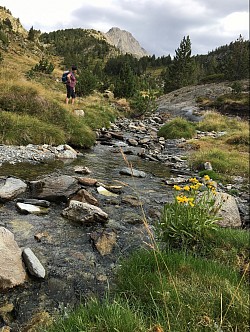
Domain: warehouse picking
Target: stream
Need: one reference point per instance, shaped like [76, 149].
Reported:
[75, 270]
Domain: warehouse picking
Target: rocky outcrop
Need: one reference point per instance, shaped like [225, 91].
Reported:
[125, 42]
[12, 272]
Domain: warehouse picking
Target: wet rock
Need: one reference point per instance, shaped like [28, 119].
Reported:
[113, 188]
[132, 200]
[12, 272]
[132, 172]
[85, 197]
[101, 190]
[132, 142]
[84, 213]
[40, 236]
[33, 209]
[82, 170]
[177, 180]
[87, 181]
[104, 241]
[38, 202]
[11, 189]
[58, 189]
[33, 264]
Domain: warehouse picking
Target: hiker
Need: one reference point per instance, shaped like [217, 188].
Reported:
[70, 85]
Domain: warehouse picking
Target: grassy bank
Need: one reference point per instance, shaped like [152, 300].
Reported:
[35, 113]
[173, 291]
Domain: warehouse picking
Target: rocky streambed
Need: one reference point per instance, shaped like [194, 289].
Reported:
[90, 212]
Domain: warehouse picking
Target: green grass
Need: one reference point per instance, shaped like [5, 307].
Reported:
[99, 316]
[24, 129]
[174, 291]
[223, 161]
[40, 113]
[177, 128]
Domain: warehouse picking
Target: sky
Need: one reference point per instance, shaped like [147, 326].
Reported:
[158, 25]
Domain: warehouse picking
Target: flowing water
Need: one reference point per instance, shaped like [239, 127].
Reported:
[75, 270]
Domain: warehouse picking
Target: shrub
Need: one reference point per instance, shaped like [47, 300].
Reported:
[190, 219]
[177, 128]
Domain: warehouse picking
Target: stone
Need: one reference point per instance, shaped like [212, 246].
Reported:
[12, 272]
[104, 241]
[33, 201]
[101, 190]
[228, 211]
[84, 213]
[57, 189]
[12, 188]
[82, 170]
[29, 208]
[85, 197]
[33, 264]
[87, 181]
[132, 172]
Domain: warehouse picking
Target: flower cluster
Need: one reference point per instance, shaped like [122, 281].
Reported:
[191, 190]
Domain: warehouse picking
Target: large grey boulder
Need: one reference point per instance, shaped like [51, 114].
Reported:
[12, 272]
[84, 213]
[11, 188]
[229, 212]
[57, 189]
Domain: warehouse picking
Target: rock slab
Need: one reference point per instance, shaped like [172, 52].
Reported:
[12, 272]
[33, 264]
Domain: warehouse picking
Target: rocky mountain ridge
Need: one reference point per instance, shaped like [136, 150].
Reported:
[125, 41]
[11, 22]
[121, 39]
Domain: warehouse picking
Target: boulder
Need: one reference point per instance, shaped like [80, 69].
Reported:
[57, 189]
[228, 211]
[11, 189]
[84, 213]
[12, 272]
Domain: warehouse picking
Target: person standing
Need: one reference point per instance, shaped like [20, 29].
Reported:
[70, 85]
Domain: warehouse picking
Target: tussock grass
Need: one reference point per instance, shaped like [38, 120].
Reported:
[223, 161]
[214, 121]
[24, 129]
[177, 128]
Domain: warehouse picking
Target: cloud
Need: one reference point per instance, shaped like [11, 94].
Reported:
[158, 25]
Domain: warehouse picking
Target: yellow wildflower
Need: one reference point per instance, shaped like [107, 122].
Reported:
[187, 188]
[193, 180]
[177, 187]
[191, 203]
[206, 177]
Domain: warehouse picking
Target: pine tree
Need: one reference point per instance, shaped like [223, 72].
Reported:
[237, 60]
[181, 72]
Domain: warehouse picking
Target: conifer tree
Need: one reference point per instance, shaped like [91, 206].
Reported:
[237, 61]
[180, 72]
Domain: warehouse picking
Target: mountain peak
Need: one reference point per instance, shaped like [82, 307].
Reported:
[125, 41]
